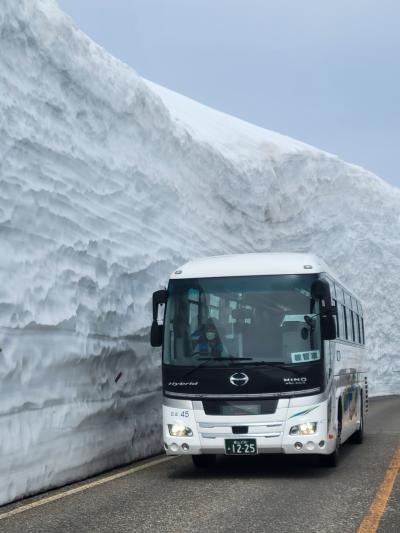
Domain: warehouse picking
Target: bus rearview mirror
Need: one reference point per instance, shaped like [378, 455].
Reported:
[156, 333]
[328, 326]
[321, 291]
[159, 298]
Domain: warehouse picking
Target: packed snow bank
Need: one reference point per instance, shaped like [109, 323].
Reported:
[107, 183]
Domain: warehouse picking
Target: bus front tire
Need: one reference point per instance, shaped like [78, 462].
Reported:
[332, 460]
[203, 461]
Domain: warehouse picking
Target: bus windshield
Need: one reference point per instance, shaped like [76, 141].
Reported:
[246, 319]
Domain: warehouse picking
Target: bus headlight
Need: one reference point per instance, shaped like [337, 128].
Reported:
[178, 429]
[308, 428]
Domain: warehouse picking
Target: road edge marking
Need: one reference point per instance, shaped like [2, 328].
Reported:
[82, 488]
[370, 522]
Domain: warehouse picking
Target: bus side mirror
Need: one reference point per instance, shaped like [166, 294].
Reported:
[321, 291]
[328, 327]
[156, 333]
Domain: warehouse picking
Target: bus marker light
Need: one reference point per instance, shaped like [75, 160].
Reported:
[330, 436]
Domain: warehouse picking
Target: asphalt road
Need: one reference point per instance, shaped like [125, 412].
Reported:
[257, 494]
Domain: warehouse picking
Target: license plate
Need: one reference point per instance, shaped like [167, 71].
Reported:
[240, 446]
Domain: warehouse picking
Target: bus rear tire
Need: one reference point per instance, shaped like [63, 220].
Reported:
[204, 461]
[358, 436]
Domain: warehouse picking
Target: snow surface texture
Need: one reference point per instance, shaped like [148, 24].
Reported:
[108, 182]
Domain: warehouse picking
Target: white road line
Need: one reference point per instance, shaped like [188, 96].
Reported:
[81, 488]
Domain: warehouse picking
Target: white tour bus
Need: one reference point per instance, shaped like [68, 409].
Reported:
[262, 353]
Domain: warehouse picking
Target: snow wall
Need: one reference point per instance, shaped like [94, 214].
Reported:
[107, 183]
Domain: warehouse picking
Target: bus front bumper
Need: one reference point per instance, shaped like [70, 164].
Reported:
[187, 432]
[301, 445]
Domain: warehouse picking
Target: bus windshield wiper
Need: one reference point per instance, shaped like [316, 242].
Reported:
[204, 355]
[267, 363]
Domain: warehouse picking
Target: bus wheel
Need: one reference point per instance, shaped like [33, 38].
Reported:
[332, 460]
[358, 436]
[203, 461]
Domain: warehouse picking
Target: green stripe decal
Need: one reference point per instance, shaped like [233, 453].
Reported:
[304, 412]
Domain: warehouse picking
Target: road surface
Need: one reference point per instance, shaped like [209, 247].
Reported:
[257, 494]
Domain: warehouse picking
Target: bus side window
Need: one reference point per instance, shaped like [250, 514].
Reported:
[358, 332]
[332, 287]
[352, 329]
[336, 317]
[340, 319]
[346, 329]
[347, 300]
[362, 330]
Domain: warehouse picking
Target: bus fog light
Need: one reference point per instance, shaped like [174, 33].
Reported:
[185, 447]
[173, 447]
[308, 428]
[321, 443]
[178, 429]
[298, 445]
[165, 446]
[310, 446]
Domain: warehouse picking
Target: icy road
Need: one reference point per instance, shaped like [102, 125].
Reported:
[265, 493]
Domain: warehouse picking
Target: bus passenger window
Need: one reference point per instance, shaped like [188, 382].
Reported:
[352, 329]
[345, 329]
[362, 330]
[358, 332]
[337, 321]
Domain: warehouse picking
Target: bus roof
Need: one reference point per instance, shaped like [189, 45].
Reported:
[253, 264]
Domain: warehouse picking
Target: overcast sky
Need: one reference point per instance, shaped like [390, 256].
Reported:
[326, 72]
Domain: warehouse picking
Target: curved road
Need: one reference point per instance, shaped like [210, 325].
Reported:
[255, 494]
